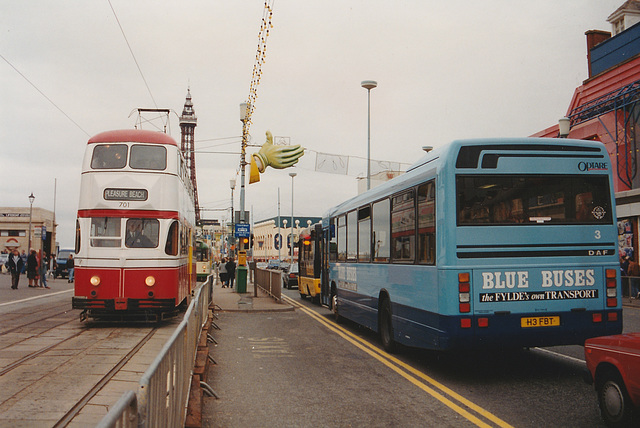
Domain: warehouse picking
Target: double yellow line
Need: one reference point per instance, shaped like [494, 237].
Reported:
[465, 408]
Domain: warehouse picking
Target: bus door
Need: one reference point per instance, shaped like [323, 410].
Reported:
[324, 236]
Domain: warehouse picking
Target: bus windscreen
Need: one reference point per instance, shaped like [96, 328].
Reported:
[533, 199]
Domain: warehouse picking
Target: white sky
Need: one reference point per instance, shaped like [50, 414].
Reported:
[445, 70]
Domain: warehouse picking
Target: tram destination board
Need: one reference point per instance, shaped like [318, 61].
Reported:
[112, 194]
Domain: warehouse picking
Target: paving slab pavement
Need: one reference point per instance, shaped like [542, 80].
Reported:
[229, 300]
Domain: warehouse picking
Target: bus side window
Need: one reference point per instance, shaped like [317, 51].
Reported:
[171, 247]
[342, 238]
[364, 234]
[403, 227]
[381, 231]
[427, 223]
[352, 236]
[333, 242]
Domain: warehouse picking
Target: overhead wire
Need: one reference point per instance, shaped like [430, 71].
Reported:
[132, 54]
[44, 95]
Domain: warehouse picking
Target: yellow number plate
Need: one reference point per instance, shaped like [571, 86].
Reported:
[539, 321]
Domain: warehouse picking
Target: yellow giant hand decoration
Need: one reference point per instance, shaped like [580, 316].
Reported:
[278, 157]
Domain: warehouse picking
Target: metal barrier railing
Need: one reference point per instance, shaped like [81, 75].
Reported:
[270, 281]
[163, 390]
[123, 414]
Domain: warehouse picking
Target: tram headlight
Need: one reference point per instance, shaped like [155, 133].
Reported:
[150, 281]
[95, 280]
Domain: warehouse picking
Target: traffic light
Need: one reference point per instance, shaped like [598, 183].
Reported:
[251, 241]
[245, 241]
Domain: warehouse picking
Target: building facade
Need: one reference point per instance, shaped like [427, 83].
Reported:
[272, 240]
[606, 108]
[14, 229]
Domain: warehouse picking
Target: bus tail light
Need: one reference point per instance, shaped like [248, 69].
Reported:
[483, 322]
[612, 289]
[596, 317]
[464, 292]
[612, 316]
[465, 323]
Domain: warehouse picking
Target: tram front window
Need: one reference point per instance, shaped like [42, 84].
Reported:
[148, 157]
[105, 232]
[109, 156]
[142, 233]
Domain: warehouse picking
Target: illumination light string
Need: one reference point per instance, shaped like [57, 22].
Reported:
[256, 75]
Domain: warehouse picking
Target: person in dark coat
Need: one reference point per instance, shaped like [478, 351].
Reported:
[231, 271]
[32, 268]
[15, 264]
[71, 267]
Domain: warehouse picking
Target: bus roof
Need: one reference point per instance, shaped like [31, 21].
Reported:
[451, 151]
[524, 143]
[133, 136]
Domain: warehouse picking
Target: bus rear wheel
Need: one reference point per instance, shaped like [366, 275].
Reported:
[386, 327]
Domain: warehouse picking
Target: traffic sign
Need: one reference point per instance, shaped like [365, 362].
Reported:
[243, 230]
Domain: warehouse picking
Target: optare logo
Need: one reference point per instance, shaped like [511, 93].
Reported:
[592, 166]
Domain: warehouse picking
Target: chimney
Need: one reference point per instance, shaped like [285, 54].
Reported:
[595, 37]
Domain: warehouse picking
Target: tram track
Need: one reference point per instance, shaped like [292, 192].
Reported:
[77, 408]
[40, 320]
[35, 354]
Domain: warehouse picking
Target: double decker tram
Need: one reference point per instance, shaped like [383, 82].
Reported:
[135, 229]
[482, 243]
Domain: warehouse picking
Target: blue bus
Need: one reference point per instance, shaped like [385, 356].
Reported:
[481, 243]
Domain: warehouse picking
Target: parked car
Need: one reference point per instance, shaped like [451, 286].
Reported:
[284, 266]
[614, 370]
[61, 263]
[290, 278]
[273, 264]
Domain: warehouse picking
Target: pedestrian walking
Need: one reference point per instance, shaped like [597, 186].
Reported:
[15, 265]
[633, 271]
[222, 272]
[32, 268]
[23, 256]
[44, 265]
[70, 267]
[231, 271]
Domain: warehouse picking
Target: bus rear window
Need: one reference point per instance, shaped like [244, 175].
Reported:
[533, 199]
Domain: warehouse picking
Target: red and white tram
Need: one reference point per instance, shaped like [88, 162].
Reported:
[135, 229]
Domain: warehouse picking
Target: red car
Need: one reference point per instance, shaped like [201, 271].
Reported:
[614, 369]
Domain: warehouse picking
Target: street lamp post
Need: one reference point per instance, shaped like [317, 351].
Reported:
[564, 127]
[369, 85]
[292, 174]
[31, 199]
[243, 163]
[232, 184]
[241, 272]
